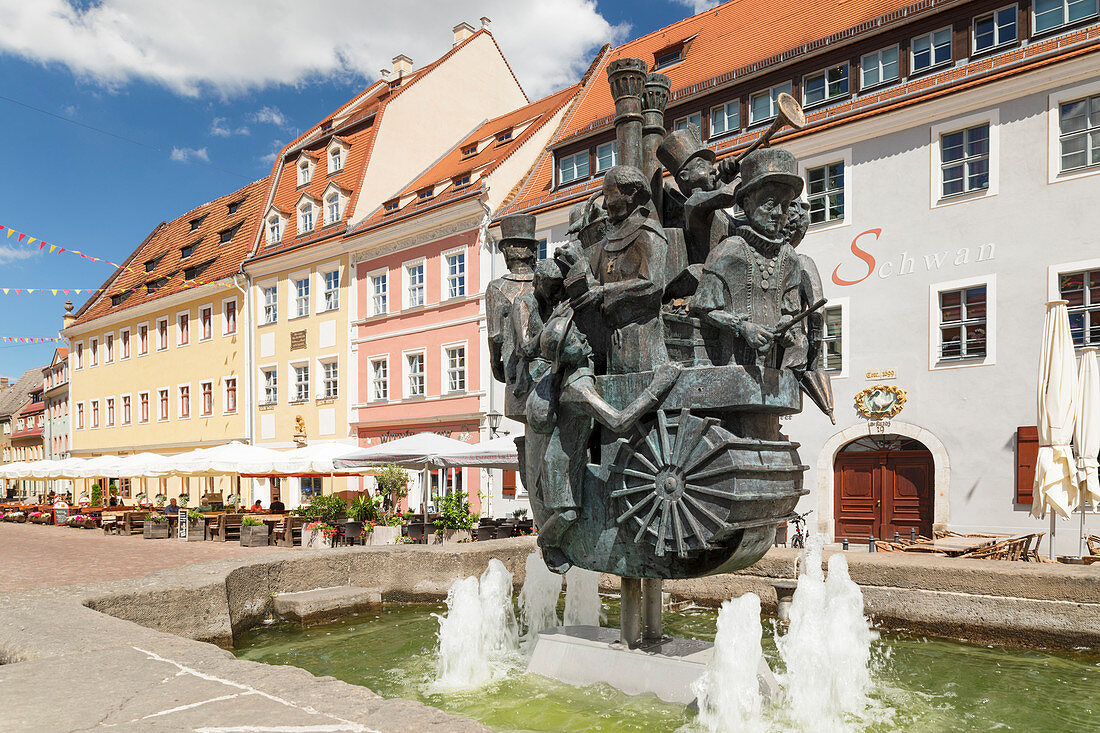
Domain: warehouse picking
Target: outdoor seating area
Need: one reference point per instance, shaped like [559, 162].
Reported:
[1023, 547]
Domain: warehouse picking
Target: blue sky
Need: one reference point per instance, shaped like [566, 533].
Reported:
[204, 99]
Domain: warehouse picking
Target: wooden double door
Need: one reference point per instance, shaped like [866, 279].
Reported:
[878, 493]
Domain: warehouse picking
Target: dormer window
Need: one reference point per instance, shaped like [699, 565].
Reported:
[274, 229]
[462, 181]
[392, 206]
[234, 207]
[152, 264]
[503, 137]
[187, 251]
[120, 298]
[196, 223]
[425, 194]
[155, 285]
[305, 217]
[193, 272]
[326, 125]
[337, 155]
[668, 57]
[332, 208]
[305, 169]
[227, 234]
[469, 150]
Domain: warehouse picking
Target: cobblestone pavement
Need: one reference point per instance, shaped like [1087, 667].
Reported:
[37, 556]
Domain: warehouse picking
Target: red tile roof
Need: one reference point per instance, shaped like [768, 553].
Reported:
[524, 123]
[164, 245]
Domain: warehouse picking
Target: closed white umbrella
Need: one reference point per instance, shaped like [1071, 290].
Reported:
[1086, 434]
[1055, 488]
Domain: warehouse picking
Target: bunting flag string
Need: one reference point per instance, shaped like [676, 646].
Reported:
[51, 291]
[183, 283]
[31, 339]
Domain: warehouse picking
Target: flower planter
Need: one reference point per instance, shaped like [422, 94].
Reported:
[155, 530]
[40, 520]
[383, 535]
[314, 538]
[196, 531]
[253, 536]
[455, 535]
[83, 524]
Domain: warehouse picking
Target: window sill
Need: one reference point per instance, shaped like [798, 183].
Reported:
[327, 400]
[824, 226]
[229, 333]
[826, 102]
[975, 54]
[291, 319]
[914, 73]
[416, 398]
[305, 401]
[958, 363]
[864, 88]
[720, 135]
[965, 196]
[1035, 34]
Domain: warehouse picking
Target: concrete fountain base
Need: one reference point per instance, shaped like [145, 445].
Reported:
[587, 655]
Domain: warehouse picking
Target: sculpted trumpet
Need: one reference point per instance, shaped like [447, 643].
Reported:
[790, 113]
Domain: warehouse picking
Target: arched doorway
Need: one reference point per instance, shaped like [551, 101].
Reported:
[883, 484]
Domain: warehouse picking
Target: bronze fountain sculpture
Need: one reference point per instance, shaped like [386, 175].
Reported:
[652, 356]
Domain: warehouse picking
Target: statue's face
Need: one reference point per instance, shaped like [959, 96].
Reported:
[699, 173]
[514, 255]
[619, 205]
[766, 208]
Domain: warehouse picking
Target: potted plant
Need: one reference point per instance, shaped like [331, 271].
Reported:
[392, 484]
[155, 527]
[97, 495]
[520, 514]
[254, 533]
[184, 500]
[39, 517]
[455, 517]
[196, 526]
[317, 534]
[81, 521]
[160, 500]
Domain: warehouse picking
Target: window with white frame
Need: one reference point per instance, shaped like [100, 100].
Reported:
[379, 293]
[110, 412]
[80, 355]
[962, 323]
[185, 401]
[1079, 133]
[725, 118]
[301, 382]
[607, 156]
[335, 159]
[94, 347]
[456, 368]
[183, 329]
[573, 167]
[126, 410]
[964, 160]
[825, 85]
[931, 49]
[274, 229]
[831, 357]
[143, 407]
[95, 415]
[79, 418]
[229, 402]
[455, 274]
[305, 217]
[1048, 14]
[229, 317]
[765, 105]
[271, 386]
[332, 290]
[301, 297]
[543, 250]
[332, 208]
[305, 171]
[825, 192]
[1081, 290]
[994, 29]
[207, 389]
[206, 322]
[109, 346]
[414, 284]
[379, 380]
[879, 67]
[415, 385]
[162, 404]
[271, 304]
[124, 339]
[330, 380]
[695, 118]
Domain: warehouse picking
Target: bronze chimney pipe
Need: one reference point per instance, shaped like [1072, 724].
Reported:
[655, 99]
[627, 78]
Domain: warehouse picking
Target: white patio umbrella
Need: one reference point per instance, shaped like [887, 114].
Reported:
[418, 451]
[18, 469]
[496, 453]
[231, 458]
[96, 467]
[144, 465]
[1055, 488]
[316, 458]
[1086, 435]
[66, 468]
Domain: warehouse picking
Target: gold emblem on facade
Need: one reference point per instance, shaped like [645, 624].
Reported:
[880, 401]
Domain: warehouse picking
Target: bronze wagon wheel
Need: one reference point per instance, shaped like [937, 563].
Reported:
[673, 482]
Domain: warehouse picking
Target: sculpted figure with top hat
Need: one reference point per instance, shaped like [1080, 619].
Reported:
[520, 249]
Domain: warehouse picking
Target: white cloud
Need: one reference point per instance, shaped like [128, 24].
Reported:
[270, 116]
[13, 254]
[69, 110]
[698, 6]
[183, 155]
[219, 128]
[276, 146]
[192, 46]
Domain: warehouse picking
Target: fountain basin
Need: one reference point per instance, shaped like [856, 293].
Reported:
[589, 655]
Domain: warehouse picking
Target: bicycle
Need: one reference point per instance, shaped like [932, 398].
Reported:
[799, 537]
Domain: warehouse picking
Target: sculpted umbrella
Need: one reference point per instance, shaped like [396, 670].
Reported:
[1086, 434]
[1055, 486]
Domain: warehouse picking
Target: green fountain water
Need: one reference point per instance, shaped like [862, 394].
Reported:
[920, 684]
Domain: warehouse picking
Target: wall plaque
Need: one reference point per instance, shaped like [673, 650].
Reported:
[297, 340]
[882, 374]
[880, 402]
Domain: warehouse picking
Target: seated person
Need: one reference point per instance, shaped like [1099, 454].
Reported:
[278, 506]
[258, 506]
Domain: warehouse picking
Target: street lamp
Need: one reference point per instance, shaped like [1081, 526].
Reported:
[494, 423]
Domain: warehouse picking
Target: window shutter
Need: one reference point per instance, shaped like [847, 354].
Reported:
[508, 484]
[1027, 453]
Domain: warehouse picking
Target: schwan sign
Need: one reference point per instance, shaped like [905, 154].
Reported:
[866, 264]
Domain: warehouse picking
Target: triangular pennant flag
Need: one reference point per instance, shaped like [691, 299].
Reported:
[60, 250]
[21, 237]
[31, 290]
[53, 248]
[19, 291]
[65, 291]
[10, 232]
[7, 290]
[54, 291]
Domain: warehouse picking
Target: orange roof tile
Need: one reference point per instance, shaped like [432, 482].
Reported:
[163, 247]
[524, 123]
